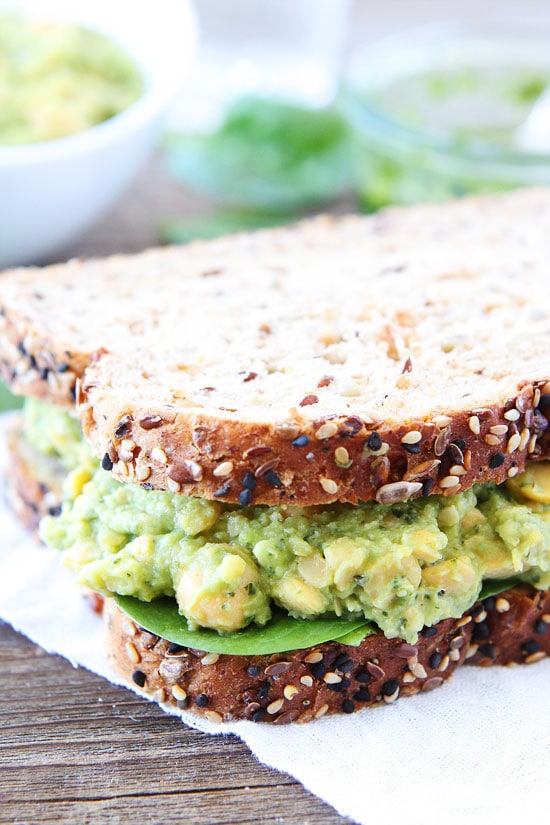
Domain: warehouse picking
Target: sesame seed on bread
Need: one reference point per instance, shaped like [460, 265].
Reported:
[303, 685]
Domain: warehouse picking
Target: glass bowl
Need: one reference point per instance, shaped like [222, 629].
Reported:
[439, 112]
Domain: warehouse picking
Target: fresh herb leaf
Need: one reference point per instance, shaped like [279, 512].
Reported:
[282, 633]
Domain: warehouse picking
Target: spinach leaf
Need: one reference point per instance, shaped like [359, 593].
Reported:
[282, 633]
[492, 587]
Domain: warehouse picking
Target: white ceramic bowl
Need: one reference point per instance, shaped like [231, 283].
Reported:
[51, 192]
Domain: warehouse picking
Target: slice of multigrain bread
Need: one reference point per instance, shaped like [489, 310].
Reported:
[302, 685]
[339, 359]
[367, 358]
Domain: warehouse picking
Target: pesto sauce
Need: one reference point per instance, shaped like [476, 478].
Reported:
[456, 132]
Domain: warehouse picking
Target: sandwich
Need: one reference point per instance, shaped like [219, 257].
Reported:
[306, 468]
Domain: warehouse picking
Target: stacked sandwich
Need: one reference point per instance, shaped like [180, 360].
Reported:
[305, 467]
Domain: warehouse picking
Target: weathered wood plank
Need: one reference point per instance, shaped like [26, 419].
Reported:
[248, 805]
[74, 748]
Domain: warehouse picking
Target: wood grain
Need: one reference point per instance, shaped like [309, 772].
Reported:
[75, 749]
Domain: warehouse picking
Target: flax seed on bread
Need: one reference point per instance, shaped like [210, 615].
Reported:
[302, 685]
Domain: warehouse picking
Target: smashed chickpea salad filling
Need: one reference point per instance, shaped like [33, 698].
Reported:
[402, 566]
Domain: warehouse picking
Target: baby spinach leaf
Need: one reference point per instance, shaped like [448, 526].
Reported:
[282, 633]
[492, 587]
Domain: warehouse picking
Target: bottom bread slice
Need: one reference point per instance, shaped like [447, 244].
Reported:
[302, 685]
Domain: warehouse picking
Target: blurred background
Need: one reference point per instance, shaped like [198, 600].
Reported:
[194, 119]
[306, 105]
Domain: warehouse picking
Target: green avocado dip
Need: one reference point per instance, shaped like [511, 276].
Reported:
[58, 79]
[402, 566]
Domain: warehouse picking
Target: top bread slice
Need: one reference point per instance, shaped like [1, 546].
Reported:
[338, 359]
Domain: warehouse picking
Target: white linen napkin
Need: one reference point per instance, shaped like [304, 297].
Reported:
[476, 750]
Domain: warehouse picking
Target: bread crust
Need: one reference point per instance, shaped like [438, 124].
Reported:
[310, 462]
[303, 685]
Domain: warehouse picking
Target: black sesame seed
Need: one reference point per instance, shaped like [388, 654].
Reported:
[174, 648]
[488, 650]
[258, 715]
[106, 462]
[541, 627]
[343, 663]
[336, 688]
[54, 511]
[223, 490]
[301, 441]
[253, 670]
[249, 482]
[245, 497]
[414, 449]
[374, 442]
[530, 646]
[539, 421]
[362, 695]
[427, 486]
[62, 367]
[496, 460]
[490, 603]
[272, 478]
[435, 660]
[389, 687]
[44, 372]
[139, 677]
[427, 632]
[364, 677]
[318, 670]
[460, 443]
[477, 610]
[202, 700]
[481, 631]
[122, 426]
[348, 706]
[263, 691]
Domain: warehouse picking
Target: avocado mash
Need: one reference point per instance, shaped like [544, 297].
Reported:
[55, 433]
[402, 566]
[57, 79]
